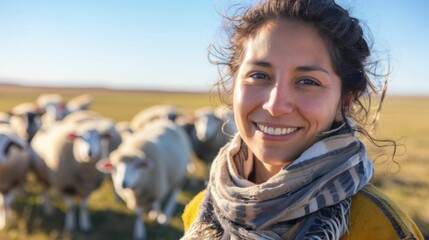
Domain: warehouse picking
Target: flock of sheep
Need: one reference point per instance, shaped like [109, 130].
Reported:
[69, 147]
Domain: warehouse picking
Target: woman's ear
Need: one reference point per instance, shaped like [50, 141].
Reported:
[348, 101]
[346, 105]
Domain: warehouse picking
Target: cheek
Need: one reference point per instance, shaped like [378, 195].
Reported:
[241, 103]
[245, 98]
[320, 111]
[236, 101]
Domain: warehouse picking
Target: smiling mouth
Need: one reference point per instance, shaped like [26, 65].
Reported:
[275, 131]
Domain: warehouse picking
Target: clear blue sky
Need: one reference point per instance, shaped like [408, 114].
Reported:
[163, 44]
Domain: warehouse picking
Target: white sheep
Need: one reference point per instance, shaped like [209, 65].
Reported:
[65, 158]
[14, 165]
[82, 116]
[124, 129]
[147, 168]
[4, 118]
[156, 112]
[53, 106]
[78, 103]
[209, 130]
[208, 133]
[227, 115]
[25, 119]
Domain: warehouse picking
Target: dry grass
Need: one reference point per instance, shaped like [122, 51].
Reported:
[405, 179]
[403, 118]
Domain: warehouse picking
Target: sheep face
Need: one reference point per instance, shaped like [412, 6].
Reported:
[8, 148]
[4, 148]
[55, 111]
[207, 126]
[131, 172]
[26, 124]
[87, 146]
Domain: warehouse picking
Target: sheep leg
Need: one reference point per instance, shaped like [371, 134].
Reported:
[47, 204]
[208, 167]
[155, 211]
[2, 212]
[69, 224]
[5, 209]
[84, 220]
[191, 169]
[139, 226]
[169, 208]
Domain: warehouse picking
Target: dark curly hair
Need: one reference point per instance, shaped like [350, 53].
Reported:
[349, 52]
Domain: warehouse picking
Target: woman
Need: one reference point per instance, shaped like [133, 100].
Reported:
[296, 169]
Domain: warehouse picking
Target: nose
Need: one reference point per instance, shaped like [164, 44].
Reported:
[280, 101]
[124, 184]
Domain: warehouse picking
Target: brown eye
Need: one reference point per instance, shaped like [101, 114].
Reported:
[308, 81]
[259, 75]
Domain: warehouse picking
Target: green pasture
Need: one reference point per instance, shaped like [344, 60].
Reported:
[406, 179]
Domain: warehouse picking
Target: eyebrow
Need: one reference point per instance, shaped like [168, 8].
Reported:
[304, 68]
[260, 63]
[311, 68]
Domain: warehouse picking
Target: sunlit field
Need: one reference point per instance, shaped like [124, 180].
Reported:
[406, 180]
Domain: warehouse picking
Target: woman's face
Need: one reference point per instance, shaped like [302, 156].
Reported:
[285, 91]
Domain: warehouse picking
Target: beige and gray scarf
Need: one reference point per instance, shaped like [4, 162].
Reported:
[308, 199]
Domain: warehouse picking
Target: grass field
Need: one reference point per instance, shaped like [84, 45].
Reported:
[407, 181]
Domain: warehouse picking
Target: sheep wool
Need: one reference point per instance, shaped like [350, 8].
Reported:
[14, 165]
[68, 162]
[151, 166]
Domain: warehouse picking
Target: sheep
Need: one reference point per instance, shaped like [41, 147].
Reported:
[14, 165]
[146, 167]
[82, 116]
[209, 130]
[67, 163]
[152, 113]
[207, 133]
[78, 103]
[53, 106]
[25, 119]
[4, 118]
[124, 129]
[227, 115]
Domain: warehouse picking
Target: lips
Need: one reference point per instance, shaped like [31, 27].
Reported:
[275, 130]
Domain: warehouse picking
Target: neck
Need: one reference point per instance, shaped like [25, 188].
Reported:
[262, 171]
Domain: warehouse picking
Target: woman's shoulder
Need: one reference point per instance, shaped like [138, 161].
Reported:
[190, 212]
[375, 216]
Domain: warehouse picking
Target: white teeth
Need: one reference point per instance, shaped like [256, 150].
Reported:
[276, 131]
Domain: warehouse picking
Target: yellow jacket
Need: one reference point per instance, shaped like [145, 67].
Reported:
[372, 215]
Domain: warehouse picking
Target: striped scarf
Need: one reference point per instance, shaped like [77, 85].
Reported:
[308, 199]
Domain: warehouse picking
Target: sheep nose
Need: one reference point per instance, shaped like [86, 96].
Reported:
[124, 184]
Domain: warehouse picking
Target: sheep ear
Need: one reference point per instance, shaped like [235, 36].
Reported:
[40, 111]
[11, 145]
[71, 137]
[105, 166]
